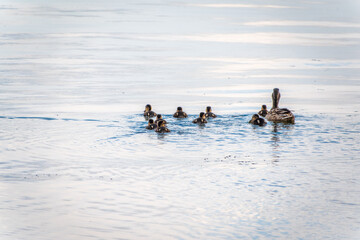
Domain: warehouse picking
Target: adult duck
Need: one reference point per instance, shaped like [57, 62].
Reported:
[277, 114]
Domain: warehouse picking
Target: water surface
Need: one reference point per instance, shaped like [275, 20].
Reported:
[76, 161]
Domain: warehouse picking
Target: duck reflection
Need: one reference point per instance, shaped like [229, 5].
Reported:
[161, 136]
[275, 138]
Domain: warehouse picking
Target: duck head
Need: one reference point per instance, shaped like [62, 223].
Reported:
[208, 109]
[148, 108]
[179, 109]
[263, 107]
[150, 122]
[276, 98]
[202, 115]
[158, 117]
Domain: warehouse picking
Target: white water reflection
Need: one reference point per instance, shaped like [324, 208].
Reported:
[228, 5]
[301, 39]
[324, 24]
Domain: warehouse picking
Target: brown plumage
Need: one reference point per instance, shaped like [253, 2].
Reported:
[151, 125]
[201, 119]
[209, 113]
[161, 128]
[179, 113]
[159, 118]
[263, 111]
[277, 114]
[256, 120]
[148, 113]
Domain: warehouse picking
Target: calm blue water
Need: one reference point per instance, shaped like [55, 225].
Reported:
[76, 161]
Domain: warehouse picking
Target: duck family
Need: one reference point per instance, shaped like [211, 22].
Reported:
[275, 114]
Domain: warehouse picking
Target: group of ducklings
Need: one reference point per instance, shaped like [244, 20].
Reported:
[275, 114]
[160, 124]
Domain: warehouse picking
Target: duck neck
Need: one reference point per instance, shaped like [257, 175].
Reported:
[275, 104]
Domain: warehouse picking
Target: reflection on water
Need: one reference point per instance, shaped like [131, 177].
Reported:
[275, 142]
[76, 161]
[284, 128]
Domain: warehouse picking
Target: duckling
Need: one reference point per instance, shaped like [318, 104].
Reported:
[148, 113]
[277, 114]
[263, 111]
[209, 113]
[161, 128]
[151, 125]
[201, 119]
[158, 118]
[256, 120]
[179, 113]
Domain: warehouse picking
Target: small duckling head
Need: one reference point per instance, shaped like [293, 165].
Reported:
[208, 109]
[160, 123]
[276, 97]
[158, 117]
[254, 117]
[179, 109]
[151, 121]
[263, 107]
[202, 115]
[147, 108]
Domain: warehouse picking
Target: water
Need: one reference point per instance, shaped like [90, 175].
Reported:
[77, 163]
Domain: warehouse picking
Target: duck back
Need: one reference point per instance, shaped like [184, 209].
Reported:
[280, 115]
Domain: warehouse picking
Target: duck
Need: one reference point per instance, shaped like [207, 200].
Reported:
[256, 120]
[263, 111]
[151, 125]
[158, 118]
[179, 113]
[209, 113]
[148, 113]
[201, 119]
[277, 114]
[161, 128]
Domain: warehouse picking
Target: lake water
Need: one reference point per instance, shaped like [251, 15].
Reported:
[76, 161]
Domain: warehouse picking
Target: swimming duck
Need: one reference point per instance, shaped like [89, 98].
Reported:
[161, 128]
[151, 125]
[201, 119]
[179, 113]
[263, 111]
[209, 113]
[256, 120]
[158, 118]
[277, 114]
[148, 113]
